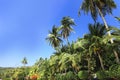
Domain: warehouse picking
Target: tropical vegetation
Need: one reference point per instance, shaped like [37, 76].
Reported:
[94, 56]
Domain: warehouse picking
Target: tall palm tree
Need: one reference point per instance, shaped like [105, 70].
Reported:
[66, 27]
[54, 38]
[101, 7]
[98, 7]
[96, 32]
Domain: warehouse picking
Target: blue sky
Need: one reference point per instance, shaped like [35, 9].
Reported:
[24, 25]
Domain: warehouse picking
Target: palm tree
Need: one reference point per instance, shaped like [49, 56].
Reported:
[66, 27]
[98, 7]
[68, 49]
[54, 38]
[95, 35]
[101, 7]
[24, 61]
[97, 29]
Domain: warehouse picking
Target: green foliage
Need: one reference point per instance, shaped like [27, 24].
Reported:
[6, 73]
[71, 76]
[75, 61]
[83, 75]
[79, 60]
[102, 74]
[114, 71]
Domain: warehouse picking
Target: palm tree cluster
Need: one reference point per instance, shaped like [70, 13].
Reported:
[81, 60]
[55, 36]
[95, 53]
[101, 7]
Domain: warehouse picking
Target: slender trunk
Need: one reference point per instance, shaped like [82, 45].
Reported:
[101, 61]
[109, 34]
[89, 65]
[89, 69]
[67, 41]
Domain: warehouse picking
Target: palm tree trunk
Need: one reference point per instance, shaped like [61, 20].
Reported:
[67, 41]
[109, 34]
[101, 61]
[89, 68]
[88, 64]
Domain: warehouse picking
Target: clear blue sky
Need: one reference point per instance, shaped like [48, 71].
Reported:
[24, 25]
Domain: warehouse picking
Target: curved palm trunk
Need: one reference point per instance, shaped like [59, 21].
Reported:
[109, 34]
[101, 61]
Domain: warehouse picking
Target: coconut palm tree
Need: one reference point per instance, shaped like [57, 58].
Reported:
[68, 49]
[66, 27]
[98, 7]
[97, 29]
[54, 38]
[24, 61]
[95, 35]
[101, 7]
